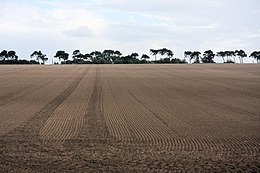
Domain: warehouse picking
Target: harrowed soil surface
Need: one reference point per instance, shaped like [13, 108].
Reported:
[130, 118]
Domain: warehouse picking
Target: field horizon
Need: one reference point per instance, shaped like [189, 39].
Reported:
[125, 118]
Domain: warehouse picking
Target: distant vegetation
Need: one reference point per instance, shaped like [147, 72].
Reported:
[116, 57]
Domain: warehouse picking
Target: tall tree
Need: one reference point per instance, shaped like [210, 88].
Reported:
[233, 54]
[107, 55]
[196, 56]
[96, 57]
[12, 54]
[255, 55]
[4, 55]
[241, 54]
[35, 54]
[117, 57]
[44, 58]
[163, 51]
[187, 54]
[208, 57]
[221, 54]
[229, 55]
[39, 56]
[134, 55]
[61, 54]
[76, 55]
[154, 52]
[169, 53]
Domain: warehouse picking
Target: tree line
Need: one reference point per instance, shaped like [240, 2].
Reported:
[115, 57]
[208, 56]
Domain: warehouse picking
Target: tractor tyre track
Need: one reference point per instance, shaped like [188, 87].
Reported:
[29, 131]
[67, 120]
[95, 127]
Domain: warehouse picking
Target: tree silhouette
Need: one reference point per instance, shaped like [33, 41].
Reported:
[36, 55]
[154, 52]
[107, 55]
[96, 57]
[126, 59]
[229, 55]
[12, 54]
[255, 55]
[196, 56]
[76, 55]
[118, 53]
[241, 54]
[4, 55]
[44, 58]
[39, 56]
[162, 51]
[134, 55]
[187, 54]
[165, 51]
[145, 57]
[87, 57]
[208, 57]
[117, 57]
[232, 54]
[169, 53]
[221, 54]
[61, 54]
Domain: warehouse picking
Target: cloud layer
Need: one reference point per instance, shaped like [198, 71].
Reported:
[128, 25]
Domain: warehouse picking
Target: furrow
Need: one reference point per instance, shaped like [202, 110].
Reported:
[61, 124]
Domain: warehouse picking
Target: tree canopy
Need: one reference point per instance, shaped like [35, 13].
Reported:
[255, 55]
[39, 56]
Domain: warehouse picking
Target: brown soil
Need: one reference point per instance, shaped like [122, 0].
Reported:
[126, 118]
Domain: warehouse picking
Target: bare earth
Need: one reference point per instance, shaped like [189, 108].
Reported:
[126, 118]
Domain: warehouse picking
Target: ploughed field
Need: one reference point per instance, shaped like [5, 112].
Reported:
[125, 118]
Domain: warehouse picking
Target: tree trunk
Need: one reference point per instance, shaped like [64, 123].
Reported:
[223, 59]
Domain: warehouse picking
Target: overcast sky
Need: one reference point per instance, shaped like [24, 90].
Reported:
[129, 25]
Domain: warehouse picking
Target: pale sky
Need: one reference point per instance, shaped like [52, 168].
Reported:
[129, 25]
